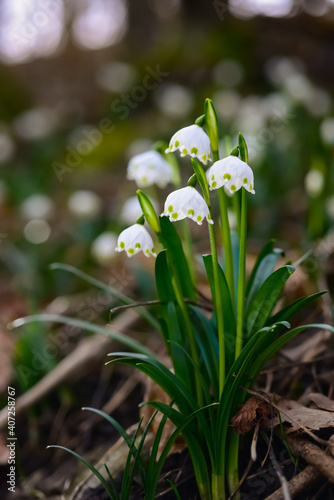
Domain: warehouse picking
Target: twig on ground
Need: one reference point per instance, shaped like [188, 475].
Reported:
[299, 483]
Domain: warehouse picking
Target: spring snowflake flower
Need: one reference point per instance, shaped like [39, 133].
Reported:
[186, 202]
[135, 239]
[191, 141]
[149, 168]
[232, 173]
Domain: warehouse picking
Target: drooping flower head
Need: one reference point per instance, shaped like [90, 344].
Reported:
[232, 173]
[135, 239]
[192, 141]
[149, 168]
[186, 202]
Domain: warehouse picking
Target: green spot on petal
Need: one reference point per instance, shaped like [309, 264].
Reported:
[191, 211]
[131, 251]
[251, 187]
[233, 187]
[245, 180]
[199, 218]
[227, 176]
[194, 151]
[152, 250]
[137, 245]
[122, 244]
[144, 180]
[170, 208]
[147, 251]
[209, 217]
[175, 215]
[184, 151]
[212, 177]
[214, 184]
[204, 157]
[176, 144]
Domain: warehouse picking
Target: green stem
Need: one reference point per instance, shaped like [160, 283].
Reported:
[218, 309]
[242, 272]
[233, 465]
[218, 487]
[236, 208]
[226, 234]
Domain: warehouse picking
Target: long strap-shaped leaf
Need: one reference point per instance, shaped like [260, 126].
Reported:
[264, 300]
[109, 289]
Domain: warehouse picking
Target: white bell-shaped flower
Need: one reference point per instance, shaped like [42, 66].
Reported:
[135, 239]
[191, 141]
[149, 168]
[232, 173]
[186, 202]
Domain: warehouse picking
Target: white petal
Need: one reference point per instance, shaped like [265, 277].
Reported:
[192, 141]
[186, 202]
[135, 239]
[232, 173]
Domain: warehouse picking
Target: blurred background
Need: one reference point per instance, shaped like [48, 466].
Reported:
[87, 84]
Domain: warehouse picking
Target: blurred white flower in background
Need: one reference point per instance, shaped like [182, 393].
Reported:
[36, 123]
[228, 72]
[174, 100]
[319, 102]
[138, 146]
[84, 204]
[131, 210]
[150, 168]
[227, 103]
[327, 130]
[37, 206]
[116, 76]
[314, 182]
[37, 231]
[103, 247]
[7, 147]
[279, 68]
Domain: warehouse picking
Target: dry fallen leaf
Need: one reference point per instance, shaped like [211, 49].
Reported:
[322, 401]
[254, 411]
[299, 415]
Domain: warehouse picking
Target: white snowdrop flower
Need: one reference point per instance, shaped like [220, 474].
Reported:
[191, 141]
[37, 231]
[149, 168]
[232, 173]
[327, 130]
[135, 239]
[186, 202]
[103, 247]
[37, 206]
[84, 204]
[314, 182]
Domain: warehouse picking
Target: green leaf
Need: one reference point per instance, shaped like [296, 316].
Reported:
[84, 325]
[91, 467]
[264, 300]
[163, 279]
[177, 261]
[263, 267]
[289, 311]
[109, 289]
